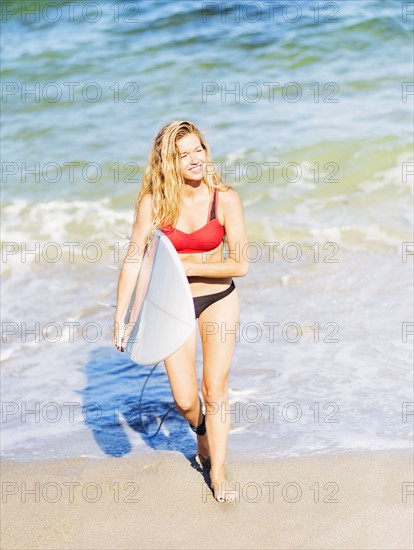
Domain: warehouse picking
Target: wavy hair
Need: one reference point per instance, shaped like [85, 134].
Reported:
[163, 177]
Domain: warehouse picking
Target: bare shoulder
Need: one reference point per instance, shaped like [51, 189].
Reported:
[146, 199]
[145, 203]
[230, 205]
[143, 213]
[229, 197]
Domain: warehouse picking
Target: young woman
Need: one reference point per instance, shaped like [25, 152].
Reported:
[181, 194]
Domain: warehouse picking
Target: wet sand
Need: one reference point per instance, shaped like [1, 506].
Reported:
[352, 500]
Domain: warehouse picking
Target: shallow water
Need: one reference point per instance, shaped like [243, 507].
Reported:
[342, 181]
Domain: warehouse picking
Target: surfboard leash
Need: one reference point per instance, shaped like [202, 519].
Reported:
[140, 406]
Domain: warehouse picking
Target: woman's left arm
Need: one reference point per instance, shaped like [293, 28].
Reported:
[237, 262]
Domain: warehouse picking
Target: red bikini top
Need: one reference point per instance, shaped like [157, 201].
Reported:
[204, 239]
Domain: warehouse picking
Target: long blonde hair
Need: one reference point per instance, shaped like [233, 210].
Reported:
[163, 178]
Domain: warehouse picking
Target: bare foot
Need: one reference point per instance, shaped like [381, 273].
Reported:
[203, 452]
[221, 490]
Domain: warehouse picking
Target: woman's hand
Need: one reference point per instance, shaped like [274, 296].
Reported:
[188, 267]
[119, 331]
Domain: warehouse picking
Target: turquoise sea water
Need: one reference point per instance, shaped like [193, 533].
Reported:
[308, 114]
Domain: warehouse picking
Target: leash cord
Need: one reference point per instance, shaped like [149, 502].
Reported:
[140, 407]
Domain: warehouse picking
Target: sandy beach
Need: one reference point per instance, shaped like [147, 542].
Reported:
[353, 500]
[307, 112]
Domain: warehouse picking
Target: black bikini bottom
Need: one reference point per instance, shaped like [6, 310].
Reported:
[202, 302]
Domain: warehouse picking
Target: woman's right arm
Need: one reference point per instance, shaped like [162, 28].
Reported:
[131, 265]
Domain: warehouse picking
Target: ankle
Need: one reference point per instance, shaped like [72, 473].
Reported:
[218, 473]
[200, 429]
[199, 426]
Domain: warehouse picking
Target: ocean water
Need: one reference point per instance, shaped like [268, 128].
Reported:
[309, 115]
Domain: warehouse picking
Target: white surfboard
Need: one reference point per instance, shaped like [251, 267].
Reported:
[160, 316]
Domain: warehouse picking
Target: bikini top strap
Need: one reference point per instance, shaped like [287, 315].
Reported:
[213, 207]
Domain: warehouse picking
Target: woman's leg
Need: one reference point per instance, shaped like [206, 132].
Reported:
[218, 326]
[181, 371]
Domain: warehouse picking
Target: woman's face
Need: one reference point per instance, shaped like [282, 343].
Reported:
[192, 157]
